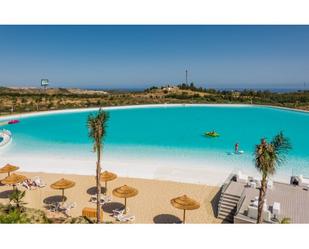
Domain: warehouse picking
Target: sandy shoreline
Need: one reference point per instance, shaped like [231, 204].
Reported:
[151, 205]
[31, 114]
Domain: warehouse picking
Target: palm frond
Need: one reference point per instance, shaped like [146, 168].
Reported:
[280, 145]
[97, 124]
[270, 155]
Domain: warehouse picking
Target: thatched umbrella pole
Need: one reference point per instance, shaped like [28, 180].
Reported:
[107, 176]
[125, 192]
[125, 205]
[62, 195]
[62, 184]
[185, 203]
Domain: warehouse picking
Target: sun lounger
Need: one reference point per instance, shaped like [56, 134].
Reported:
[252, 184]
[255, 203]
[104, 199]
[54, 207]
[270, 184]
[253, 212]
[267, 215]
[117, 212]
[28, 184]
[66, 207]
[303, 181]
[276, 209]
[258, 183]
[125, 218]
[39, 182]
[25, 185]
[240, 177]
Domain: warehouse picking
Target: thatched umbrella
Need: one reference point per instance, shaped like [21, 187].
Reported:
[186, 203]
[8, 169]
[106, 177]
[62, 184]
[125, 192]
[13, 179]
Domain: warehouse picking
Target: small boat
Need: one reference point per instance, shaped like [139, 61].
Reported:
[212, 134]
[14, 121]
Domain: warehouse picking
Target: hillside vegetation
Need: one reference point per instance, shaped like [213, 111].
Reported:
[18, 100]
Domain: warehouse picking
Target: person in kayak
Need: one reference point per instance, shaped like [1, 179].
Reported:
[236, 148]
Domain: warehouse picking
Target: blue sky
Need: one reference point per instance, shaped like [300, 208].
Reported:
[142, 56]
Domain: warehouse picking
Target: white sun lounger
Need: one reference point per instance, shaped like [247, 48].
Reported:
[25, 185]
[125, 218]
[54, 207]
[39, 182]
[303, 181]
[66, 207]
[117, 212]
[276, 209]
[240, 177]
[104, 199]
[270, 184]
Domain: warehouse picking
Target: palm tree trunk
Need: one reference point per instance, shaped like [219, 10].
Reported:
[261, 200]
[98, 183]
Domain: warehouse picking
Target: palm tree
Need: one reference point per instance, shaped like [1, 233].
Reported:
[97, 130]
[17, 197]
[268, 156]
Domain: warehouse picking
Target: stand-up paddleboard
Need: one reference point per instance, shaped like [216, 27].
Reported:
[240, 152]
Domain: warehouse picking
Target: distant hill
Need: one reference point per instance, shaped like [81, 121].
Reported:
[49, 91]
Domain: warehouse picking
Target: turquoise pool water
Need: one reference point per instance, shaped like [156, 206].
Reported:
[174, 134]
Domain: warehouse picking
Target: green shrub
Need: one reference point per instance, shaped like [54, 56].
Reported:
[14, 216]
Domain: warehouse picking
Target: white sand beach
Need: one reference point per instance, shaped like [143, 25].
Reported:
[151, 205]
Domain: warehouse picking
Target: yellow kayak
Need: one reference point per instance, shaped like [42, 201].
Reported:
[212, 134]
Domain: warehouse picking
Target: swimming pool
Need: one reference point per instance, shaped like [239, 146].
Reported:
[160, 141]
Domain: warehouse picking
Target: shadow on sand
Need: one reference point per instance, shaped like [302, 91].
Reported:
[215, 202]
[166, 219]
[5, 194]
[93, 190]
[109, 207]
[53, 199]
